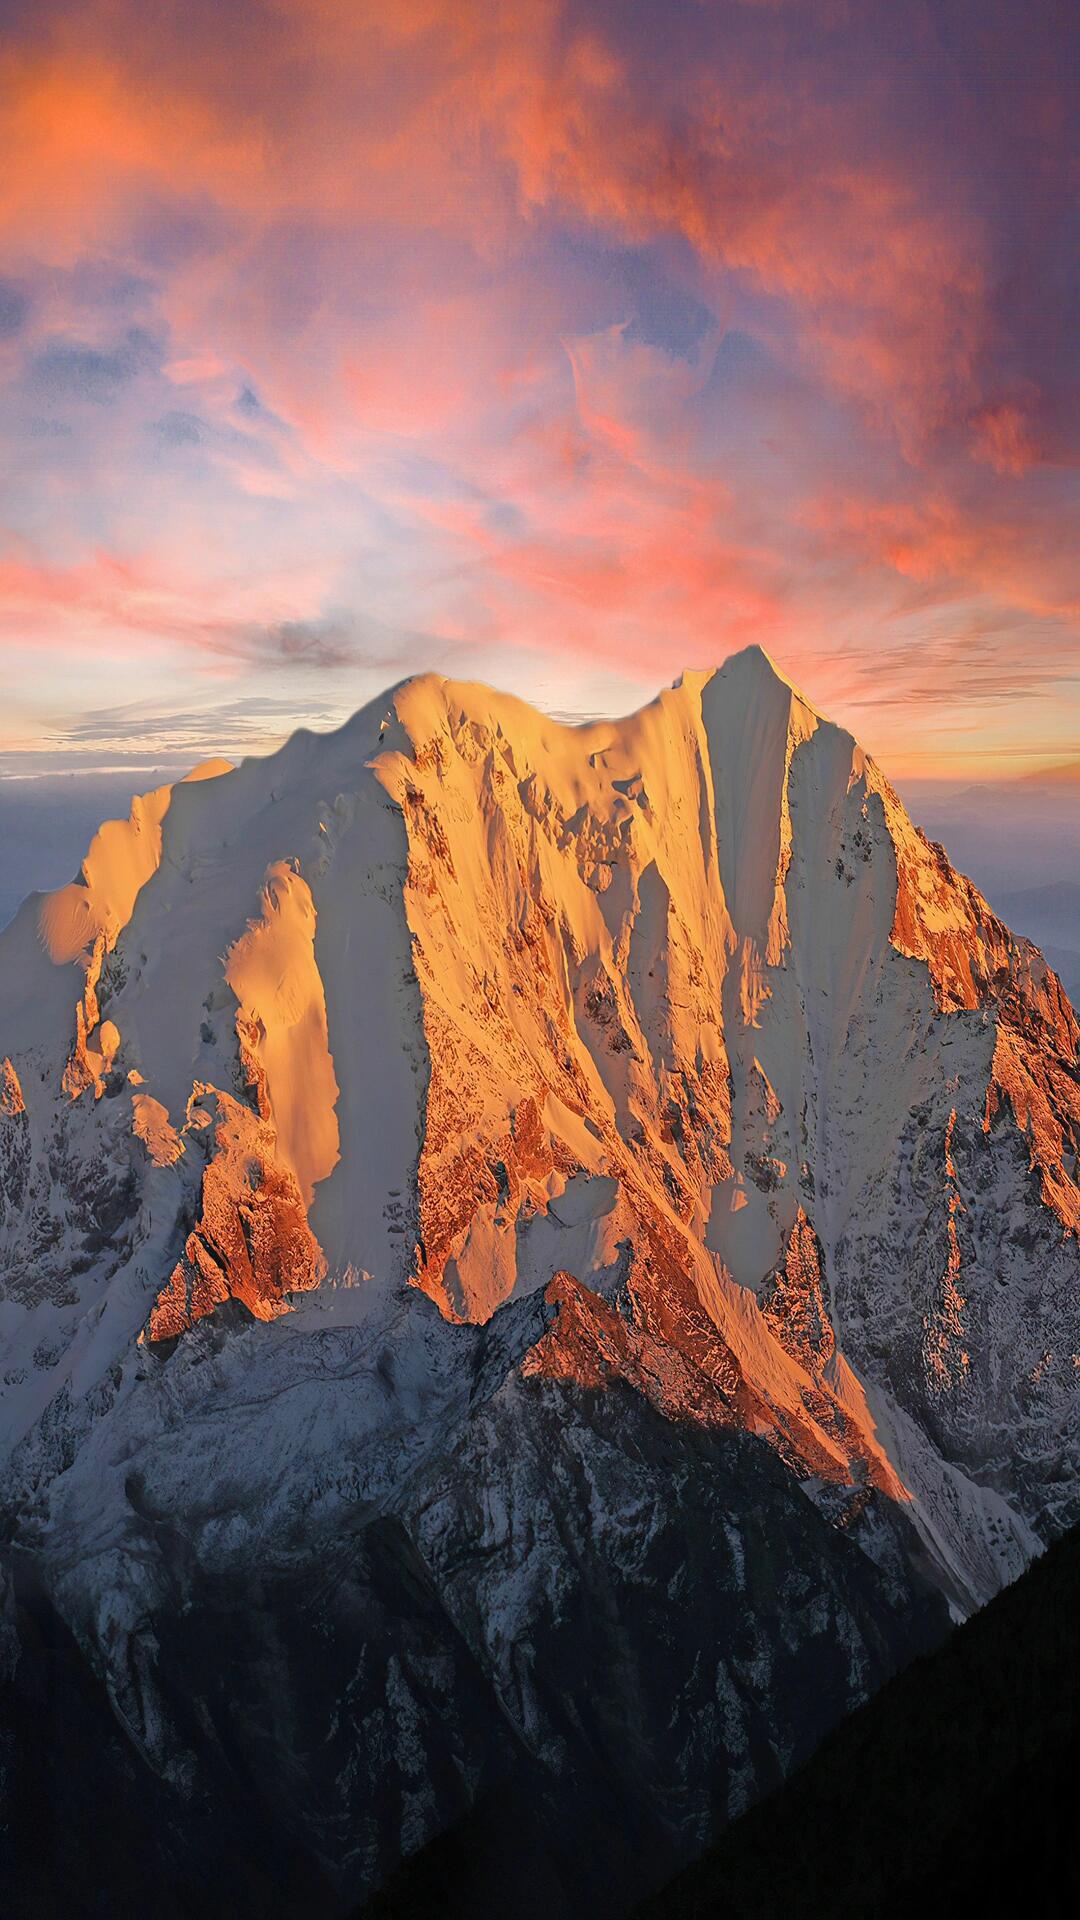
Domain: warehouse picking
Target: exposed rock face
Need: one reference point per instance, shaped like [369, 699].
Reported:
[578, 1225]
[252, 1242]
[14, 1144]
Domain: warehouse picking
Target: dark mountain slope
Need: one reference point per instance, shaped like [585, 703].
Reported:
[310, 1715]
[954, 1791]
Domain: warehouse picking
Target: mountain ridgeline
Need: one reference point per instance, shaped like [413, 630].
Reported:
[538, 1267]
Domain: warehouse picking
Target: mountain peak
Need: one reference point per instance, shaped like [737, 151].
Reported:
[753, 666]
[753, 658]
[750, 682]
[588, 1150]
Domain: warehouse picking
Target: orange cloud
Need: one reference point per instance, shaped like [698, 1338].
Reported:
[424, 238]
[476, 119]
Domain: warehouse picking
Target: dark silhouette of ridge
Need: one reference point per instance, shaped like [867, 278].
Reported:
[953, 1791]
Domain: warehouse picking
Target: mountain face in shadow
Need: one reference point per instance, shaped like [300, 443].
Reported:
[953, 1791]
[538, 1267]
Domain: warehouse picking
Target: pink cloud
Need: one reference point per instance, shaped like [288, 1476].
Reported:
[400, 226]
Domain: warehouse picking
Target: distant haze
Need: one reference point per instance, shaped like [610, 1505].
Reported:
[46, 826]
[1019, 840]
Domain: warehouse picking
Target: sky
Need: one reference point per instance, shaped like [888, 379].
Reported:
[561, 346]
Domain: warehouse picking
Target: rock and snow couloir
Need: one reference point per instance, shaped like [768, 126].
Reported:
[555, 1142]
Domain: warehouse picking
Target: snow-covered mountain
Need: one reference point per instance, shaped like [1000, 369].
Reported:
[534, 1261]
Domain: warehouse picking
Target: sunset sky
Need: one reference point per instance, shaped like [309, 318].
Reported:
[560, 346]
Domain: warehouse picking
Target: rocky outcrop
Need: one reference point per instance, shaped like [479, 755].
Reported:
[14, 1144]
[252, 1243]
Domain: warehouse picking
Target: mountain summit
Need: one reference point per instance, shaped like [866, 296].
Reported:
[535, 1261]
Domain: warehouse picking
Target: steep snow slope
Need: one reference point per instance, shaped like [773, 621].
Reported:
[669, 1062]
